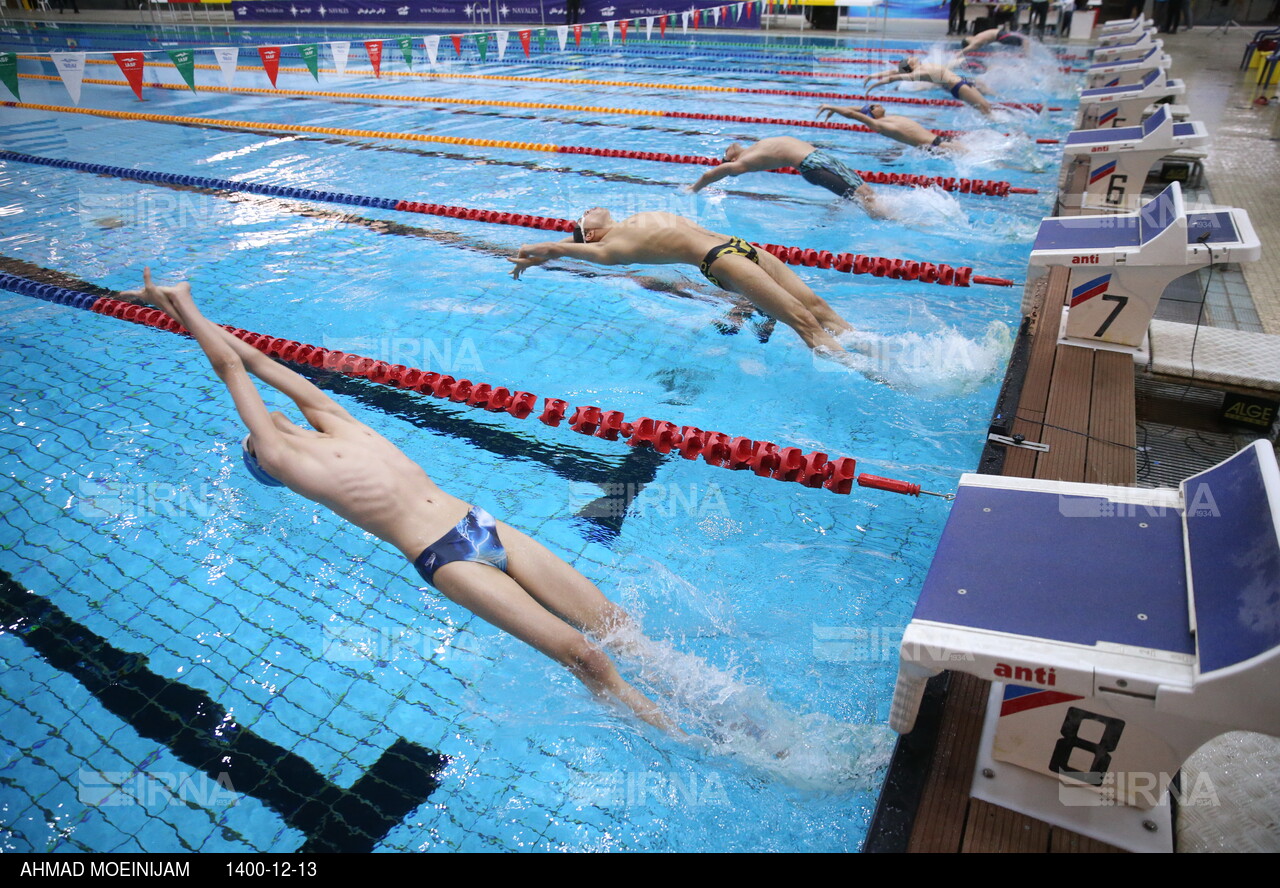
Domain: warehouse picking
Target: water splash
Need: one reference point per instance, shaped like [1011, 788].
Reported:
[724, 716]
[922, 207]
[987, 148]
[940, 363]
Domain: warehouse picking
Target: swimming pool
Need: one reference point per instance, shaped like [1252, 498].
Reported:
[204, 621]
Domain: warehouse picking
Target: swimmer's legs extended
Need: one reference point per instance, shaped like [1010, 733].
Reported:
[815, 304]
[539, 601]
[975, 98]
[740, 275]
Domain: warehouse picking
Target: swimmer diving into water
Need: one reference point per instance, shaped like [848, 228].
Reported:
[730, 263]
[1001, 35]
[493, 570]
[817, 167]
[893, 126]
[913, 69]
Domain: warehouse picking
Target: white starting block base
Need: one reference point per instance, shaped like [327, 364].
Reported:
[1067, 805]
[1141, 353]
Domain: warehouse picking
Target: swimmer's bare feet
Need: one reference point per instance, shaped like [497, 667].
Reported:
[160, 297]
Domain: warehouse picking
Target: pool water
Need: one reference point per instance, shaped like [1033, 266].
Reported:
[307, 660]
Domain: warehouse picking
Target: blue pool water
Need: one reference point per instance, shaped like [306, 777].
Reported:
[305, 656]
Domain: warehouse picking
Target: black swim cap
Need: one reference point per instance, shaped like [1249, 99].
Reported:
[578, 236]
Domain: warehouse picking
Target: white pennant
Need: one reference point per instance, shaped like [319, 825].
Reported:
[648, 28]
[684, 23]
[227, 57]
[716, 13]
[739, 6]
[503, 37]
[70, 67]
[608, 29]
[341, 50]
[432, 43]
[562, 34]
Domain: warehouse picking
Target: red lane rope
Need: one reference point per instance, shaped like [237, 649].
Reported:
[850, 263]
[764, 458]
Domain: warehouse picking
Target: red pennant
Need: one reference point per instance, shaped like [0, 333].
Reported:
[577, 35]
[131, 66]
[524, 42]
[374, 49]
[662, 26]
[697, 18]
[270, 56]
[457, 43]
[623, 27]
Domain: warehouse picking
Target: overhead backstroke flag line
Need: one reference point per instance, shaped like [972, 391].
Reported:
[9, 72]
[70, 65]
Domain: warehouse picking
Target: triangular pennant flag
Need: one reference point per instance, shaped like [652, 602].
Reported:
[227, 57]
[406, 50]
[341, 51]
[524, 41]
[577, 35]
[562, 34]
[648, 28]
[9, 72]
[432, 43]
[697, 19]
[457, 43]
[131, 66]
[502, 37]
[185, 61]
[270, 56]
[738, 7]
[684, 23]
[715, 14]
[482, 44]
[310, 53]
[70, 67]
[542, 39]
[662, 26]
[622, 29]
[373, 48]
[608, 29]
[595, 34]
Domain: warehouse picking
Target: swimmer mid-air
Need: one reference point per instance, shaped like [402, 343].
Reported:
[926, 72]
[1001, 35]
[893, 126]
[730, 263]
[816, 166]
[496, 572]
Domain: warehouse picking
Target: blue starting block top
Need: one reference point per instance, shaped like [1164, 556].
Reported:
[1105, 92]
[1131, 63]
[1096, 234]
[1129, 133]
[1074, 569]
[1235, 561]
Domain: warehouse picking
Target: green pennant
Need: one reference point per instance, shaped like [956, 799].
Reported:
[482, 43]
[542, 39]
[406, 49]
[9, 72]
[185, 61]
[310, 53]
[595, 33]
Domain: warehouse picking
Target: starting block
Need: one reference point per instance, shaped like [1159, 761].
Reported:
[1120, 158]
[1126, 73]
[1123, 52]
[1121, 263]
[1123, 628]
[1123, 105]
[1122, 30]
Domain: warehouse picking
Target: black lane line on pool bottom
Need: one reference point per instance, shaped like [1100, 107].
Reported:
[622, 481]
[201, 734]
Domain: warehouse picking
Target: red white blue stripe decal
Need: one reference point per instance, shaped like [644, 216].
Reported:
[1115, 82]
[1102, 172]
[1109, 116]
[1018, 699]
[1089, 289]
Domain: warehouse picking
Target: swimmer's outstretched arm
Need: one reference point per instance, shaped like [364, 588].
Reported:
[851, 113]
[536, 254]
[233, 360]
[720, 171]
